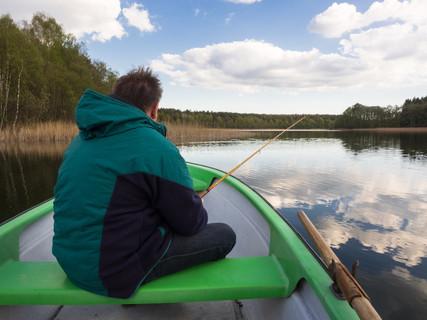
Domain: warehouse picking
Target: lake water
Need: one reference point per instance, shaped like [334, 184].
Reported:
[365, 192]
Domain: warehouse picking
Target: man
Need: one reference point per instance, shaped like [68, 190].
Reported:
[125, 209]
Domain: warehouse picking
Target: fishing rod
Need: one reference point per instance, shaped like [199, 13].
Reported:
[234, 169]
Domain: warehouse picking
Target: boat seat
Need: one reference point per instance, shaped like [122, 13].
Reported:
[43, 282]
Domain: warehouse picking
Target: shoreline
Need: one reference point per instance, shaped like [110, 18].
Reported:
[61, 132]
[404, 129]
[391, 130]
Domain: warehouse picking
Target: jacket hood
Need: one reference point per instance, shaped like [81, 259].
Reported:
[98, 115]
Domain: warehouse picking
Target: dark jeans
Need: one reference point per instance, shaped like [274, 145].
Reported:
[213, 242]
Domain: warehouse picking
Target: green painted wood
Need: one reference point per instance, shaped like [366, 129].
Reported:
[200, 185]
[244, 278]
[11, 229]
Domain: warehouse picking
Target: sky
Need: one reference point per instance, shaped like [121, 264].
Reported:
[256, 56]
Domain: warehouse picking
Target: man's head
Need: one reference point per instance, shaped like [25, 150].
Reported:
[141, 88]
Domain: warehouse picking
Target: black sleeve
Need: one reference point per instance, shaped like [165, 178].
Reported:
[176, 201]
[180, 207]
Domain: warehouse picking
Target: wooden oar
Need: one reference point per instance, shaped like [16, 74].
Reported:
[253, 154]
[347, 284]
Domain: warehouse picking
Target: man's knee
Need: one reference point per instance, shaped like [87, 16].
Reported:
[226, 236]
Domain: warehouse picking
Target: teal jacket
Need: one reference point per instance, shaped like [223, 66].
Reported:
[123, 189]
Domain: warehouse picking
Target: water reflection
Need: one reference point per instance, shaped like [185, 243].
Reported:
[367, 195]
[413, 146]
[27, 175]
[371, 197]
[366, 192]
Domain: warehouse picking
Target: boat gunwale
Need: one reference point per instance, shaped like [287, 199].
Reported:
[19, 214]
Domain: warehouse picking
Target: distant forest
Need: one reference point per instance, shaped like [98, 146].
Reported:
[245, 120]
[413, 113]
[43, 72]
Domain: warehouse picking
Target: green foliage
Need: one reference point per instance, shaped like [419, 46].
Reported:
[414, 113]
[360, 116]
[43, 71]
[244, 121]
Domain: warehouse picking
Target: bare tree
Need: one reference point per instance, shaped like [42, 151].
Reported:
[1, 91]
[18, 92]
[6, 78]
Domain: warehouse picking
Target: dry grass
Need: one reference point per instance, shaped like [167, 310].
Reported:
[61, 133]
[51, 150]
[51, 132]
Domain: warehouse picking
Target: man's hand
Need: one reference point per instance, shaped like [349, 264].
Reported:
[202, 194]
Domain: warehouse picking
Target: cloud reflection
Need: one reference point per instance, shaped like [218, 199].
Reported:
[375, 197]
[386, 214]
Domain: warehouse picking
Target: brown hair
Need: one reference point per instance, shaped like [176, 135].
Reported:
[139, 87]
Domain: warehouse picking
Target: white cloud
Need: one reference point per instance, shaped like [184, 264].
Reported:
[384, 47]
[98, 18]
[249, 65]
[139, 18]
[243, 1]
[196, 12]
[341, 18]
[335, 20]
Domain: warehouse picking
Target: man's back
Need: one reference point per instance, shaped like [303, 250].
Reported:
[112, 220]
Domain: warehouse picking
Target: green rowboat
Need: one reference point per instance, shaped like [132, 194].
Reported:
[270, 274]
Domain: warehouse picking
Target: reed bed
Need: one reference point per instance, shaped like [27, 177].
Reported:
[43, 132]
[54, 136]
[33, 150]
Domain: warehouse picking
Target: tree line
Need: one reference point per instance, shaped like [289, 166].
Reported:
[244, 120]
[413, 113]
[43, 72]
[360, 116]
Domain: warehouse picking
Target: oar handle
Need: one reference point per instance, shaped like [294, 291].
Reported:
[348, 285]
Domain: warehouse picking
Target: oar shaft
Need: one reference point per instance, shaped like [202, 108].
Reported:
[364, 309]
[325, 251]
[234, 169]
[351, 289]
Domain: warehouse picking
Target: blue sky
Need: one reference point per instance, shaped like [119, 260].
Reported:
[281, 22]
[268, 56]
